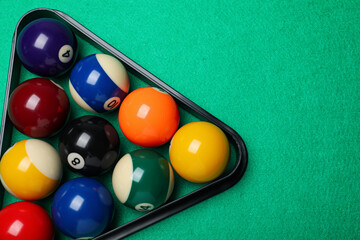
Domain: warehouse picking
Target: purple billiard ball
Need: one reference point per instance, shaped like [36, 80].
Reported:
[47, 47]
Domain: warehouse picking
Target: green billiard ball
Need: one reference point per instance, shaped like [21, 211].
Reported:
[143, 180]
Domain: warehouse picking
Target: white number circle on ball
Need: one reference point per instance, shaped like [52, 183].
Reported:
[66, 53]
[76, 161]
[144, 207]
[112, 103]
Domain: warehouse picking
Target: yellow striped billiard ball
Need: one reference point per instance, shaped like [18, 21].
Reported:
[199, 151]
[30, 170]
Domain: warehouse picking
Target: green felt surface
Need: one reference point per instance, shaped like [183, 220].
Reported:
[284, 74]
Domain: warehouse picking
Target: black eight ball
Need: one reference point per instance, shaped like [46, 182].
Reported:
[89, 145]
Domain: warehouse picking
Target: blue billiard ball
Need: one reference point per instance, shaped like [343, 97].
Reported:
[82, 208]
[47, 47]
[98, 83]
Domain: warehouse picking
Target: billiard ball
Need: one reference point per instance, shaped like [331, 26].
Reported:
[143, 180]
[148, 117]
[89, 145]
[47, 47]
[25, 221]
[38, 107]
[31, 169]
[199, 151]
[98, 83]
[82, 208]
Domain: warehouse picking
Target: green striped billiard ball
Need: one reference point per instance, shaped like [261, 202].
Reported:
[143, 180]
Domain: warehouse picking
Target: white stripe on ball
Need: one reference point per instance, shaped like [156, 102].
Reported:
[44, 157]
[115, 70]
[122, 178]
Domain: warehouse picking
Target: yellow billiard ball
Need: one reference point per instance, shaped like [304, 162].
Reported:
[199, 151]
[30, 170]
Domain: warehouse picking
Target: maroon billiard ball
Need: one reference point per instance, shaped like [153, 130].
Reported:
[38, 107]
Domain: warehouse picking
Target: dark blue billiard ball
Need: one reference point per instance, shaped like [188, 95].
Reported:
[98, 83]
[47, 47]
[82, 208]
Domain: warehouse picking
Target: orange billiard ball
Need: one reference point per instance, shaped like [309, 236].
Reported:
[149, 117]
[31, 169]
[199, 151]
